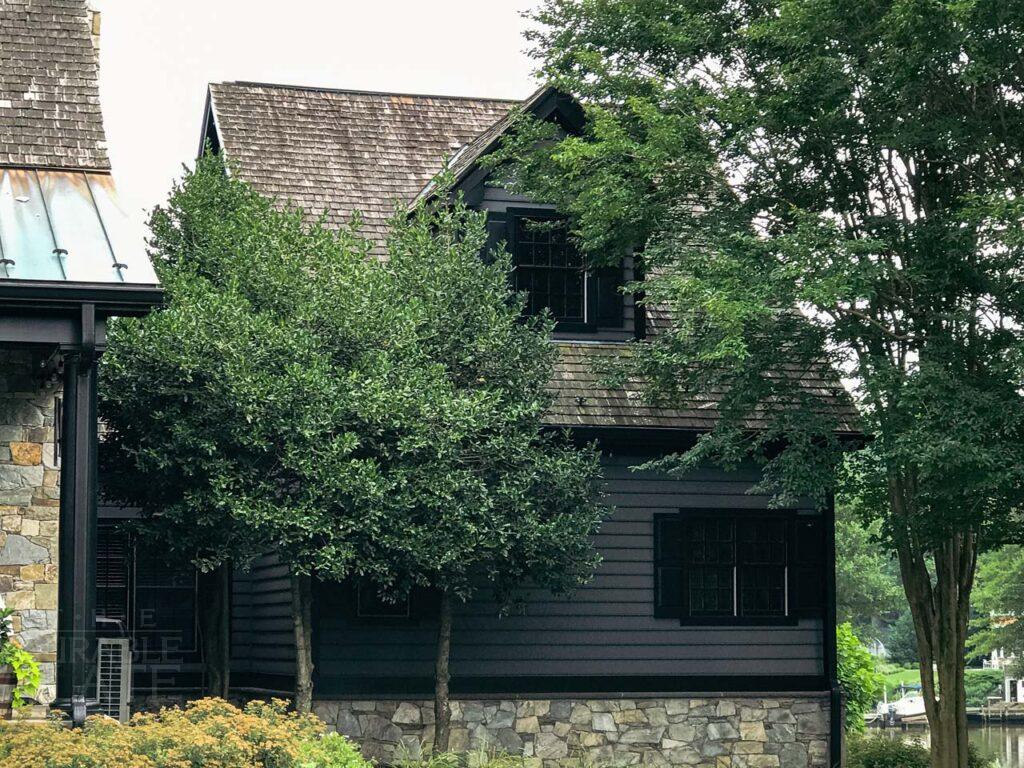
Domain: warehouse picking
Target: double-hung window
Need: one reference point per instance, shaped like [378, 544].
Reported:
[554, 275]
[722, 567]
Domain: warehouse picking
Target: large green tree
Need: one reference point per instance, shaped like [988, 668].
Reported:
[809, 182]
[220, 401]
[867, 576]
[362, 419]
[471, 491]
[999, 603]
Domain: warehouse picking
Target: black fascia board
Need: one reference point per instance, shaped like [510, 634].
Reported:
[109, 299]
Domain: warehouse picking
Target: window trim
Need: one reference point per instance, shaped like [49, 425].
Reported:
[591, 306]
[793, 613]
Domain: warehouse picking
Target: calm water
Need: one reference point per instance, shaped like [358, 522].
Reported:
[1004, 743]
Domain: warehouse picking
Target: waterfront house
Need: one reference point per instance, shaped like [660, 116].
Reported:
[707, 634]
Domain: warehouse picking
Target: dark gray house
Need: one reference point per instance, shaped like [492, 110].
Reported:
[707, 635]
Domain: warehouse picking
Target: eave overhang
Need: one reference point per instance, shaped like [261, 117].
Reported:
[126, 299]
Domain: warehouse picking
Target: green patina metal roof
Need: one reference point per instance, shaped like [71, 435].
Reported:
[68, 226]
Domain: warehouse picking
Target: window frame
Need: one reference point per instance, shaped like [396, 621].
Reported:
[131, 628]
[793, 610]
[591, 279]
[362, 613]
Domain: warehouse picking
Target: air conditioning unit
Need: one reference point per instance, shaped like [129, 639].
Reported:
[114, 677]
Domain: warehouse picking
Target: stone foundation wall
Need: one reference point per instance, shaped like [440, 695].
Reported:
[721, 732]
[29, 509]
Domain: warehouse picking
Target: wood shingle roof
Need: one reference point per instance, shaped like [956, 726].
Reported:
[336, 152]
[49, 87]
[582, 399]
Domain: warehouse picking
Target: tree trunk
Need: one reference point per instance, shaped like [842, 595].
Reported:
[215, 629]
[442, 706]
[302, 624]
[940, 611]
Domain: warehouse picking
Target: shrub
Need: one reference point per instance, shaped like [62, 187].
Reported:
[884, 752]
[857, 676]
[26, 670]
[209, 733]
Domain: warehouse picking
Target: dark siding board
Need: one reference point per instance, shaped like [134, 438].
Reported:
[490, 626]
[539, 667]
[607, 628]
[465, 653]
[500, 638]
[263, 641]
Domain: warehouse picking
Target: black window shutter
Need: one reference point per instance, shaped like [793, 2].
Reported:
[497, 232]
[609, 297]
[113, 566]
[668, 566]
[807, 567]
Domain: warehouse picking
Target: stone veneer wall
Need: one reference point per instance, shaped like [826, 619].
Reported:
[720, 732]
[29, 509]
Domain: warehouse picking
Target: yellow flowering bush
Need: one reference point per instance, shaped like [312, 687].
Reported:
[209, 733]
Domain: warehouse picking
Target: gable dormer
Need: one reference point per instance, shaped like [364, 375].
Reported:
[586, 303]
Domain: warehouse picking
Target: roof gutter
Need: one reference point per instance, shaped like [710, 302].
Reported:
[110, 299]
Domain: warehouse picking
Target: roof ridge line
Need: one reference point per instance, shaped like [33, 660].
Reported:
[320, 89]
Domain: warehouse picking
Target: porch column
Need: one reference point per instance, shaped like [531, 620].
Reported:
[77, 573]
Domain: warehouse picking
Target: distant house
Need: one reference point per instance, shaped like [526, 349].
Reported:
[68, 261]
[707, 636]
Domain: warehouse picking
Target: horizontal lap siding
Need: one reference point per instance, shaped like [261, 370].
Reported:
[607, 627]
[262, 641]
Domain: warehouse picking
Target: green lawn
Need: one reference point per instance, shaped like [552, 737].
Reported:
[893, 676]
[978, 682]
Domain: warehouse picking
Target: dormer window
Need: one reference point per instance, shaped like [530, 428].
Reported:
[554, 274]
[549, 268]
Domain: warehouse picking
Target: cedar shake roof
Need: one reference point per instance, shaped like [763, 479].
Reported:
[49, 90]
[335, 152]
[583, 400]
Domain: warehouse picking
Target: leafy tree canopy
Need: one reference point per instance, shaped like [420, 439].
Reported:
[383, 419]
[820, 181]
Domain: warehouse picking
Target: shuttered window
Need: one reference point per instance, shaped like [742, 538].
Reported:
[153, 602]
[719, 567]
[113, 567]
[553, 274]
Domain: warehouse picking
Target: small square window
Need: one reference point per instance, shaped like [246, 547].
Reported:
[370, 605]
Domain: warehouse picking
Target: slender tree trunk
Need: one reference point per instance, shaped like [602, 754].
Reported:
[940, 611]
[302, 624]
[442, 705]
[215, 629]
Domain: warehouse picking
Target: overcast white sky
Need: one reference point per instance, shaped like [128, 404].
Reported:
[158, 55]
